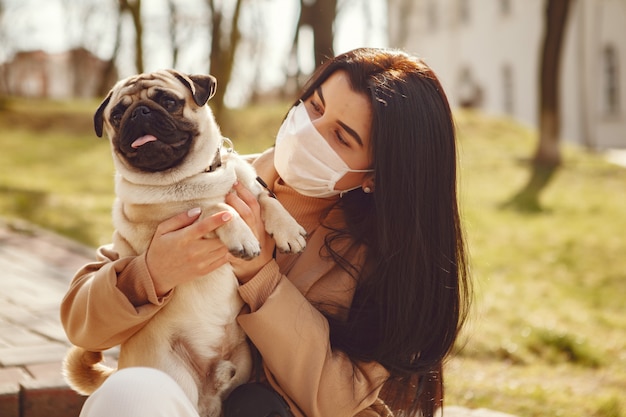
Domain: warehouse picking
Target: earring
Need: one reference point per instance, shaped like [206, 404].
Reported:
[367, 190]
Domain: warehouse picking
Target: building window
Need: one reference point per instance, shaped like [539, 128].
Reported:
[507, 89]
[469, 92]
[611, 81]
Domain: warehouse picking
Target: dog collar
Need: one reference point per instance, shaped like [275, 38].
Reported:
[217, 160]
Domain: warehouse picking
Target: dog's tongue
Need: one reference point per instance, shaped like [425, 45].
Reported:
[143, 140]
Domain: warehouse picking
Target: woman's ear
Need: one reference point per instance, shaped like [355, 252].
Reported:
[368, 184]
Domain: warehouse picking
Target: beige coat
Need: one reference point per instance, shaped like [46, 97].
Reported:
[110, 299]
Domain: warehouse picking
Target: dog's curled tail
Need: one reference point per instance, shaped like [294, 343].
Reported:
[84, 371]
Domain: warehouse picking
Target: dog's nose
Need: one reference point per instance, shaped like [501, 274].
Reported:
[140, 111]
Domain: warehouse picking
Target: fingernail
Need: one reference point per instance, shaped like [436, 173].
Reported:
[194, 212]
[226, 216]
[236, 183]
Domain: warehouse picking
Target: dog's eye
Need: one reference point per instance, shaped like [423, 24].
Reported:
[116, 117]
[117, 113]
[169, 104]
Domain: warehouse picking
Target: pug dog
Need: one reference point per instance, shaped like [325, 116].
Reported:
[170, 157]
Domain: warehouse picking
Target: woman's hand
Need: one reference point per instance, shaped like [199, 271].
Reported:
[246, 204]
[179, 253]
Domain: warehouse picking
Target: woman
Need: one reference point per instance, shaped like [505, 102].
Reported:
[366, 162]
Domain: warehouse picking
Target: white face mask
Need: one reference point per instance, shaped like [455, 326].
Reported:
[304, 160]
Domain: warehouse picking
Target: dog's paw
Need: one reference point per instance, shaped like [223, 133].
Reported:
[223, 375]
[239, 239]
[245, 250]
[290, 238]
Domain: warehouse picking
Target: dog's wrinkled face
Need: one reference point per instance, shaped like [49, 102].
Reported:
[153, 119]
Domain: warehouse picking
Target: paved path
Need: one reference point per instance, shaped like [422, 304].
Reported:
[35, 269]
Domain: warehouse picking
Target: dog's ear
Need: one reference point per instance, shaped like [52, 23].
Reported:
[206, 85]
[98, 118]
[202, 87]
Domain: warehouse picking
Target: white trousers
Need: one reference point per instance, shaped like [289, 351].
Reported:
[138, 392]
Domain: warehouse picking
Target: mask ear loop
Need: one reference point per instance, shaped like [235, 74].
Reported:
[366, 189]
[347, 191]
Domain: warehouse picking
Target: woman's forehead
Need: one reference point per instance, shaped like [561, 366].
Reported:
[351, 107]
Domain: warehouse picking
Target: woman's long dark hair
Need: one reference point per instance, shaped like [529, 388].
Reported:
[413, 294]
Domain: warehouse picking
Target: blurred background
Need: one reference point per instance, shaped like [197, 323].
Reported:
[538, 89]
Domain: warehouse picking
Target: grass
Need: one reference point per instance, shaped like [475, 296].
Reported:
[548, 332]
[548, 335]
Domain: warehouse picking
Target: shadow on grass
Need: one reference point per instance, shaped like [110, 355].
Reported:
[527, 200]
[557, 348]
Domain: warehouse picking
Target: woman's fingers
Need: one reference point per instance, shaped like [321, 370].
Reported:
[234, 200]
[246, 195]
[179, 221]
[179, 251]
[210, 223]
[246, 204]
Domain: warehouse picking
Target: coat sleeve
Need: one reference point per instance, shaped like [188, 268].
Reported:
[108, 301]
[293, 339]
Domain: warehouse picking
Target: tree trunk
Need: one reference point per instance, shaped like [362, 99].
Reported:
[109, 72]
[171, 5]
[134, 8]
[223, 48]
[547, 157]
[401, 14]
[320, 16]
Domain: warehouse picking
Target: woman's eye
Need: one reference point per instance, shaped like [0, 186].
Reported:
[341, 140]
[316, 107]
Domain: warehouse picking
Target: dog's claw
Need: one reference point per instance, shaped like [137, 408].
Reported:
[244, 254]
[291, 244]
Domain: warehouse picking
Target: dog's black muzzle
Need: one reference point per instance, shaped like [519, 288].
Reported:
[152, 140]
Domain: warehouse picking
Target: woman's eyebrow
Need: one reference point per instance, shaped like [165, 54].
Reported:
[347, 128]
[351, 132]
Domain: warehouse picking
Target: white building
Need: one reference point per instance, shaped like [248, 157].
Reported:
[487, 54]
